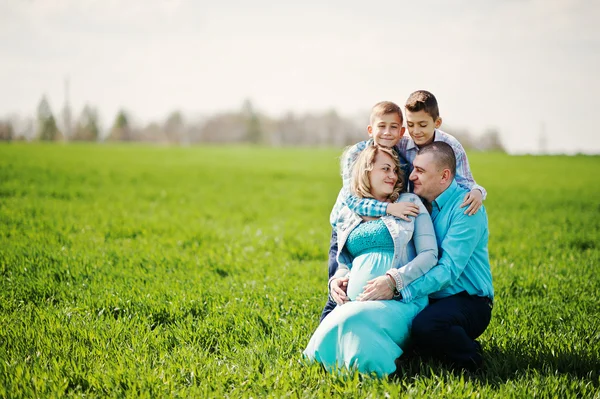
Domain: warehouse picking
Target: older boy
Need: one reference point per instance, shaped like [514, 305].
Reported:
[423, 121]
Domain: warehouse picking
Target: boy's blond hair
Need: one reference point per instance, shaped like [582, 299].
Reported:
[384, 108]
[422, 100]
[360, 185]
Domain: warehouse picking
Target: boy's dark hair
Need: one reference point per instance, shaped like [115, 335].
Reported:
[422, 100]
[442, 153]
[384, 108]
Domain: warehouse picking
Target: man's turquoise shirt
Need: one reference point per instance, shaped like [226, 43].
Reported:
[463, 261]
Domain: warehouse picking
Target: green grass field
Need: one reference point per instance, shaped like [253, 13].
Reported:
[136, 271]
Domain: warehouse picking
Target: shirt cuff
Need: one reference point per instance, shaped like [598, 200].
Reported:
[483, 192]
[406, 295]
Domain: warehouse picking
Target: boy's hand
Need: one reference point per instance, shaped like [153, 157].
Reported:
[403, 210]
[474, 200]
[338, 288]
[377, 289]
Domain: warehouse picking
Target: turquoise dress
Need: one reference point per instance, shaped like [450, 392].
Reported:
[368, 335]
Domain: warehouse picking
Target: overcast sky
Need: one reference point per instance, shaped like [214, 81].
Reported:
[521, 66]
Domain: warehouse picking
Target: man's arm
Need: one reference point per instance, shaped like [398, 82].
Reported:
[457, 248]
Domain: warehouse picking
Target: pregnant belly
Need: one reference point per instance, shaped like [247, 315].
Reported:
[366, 267]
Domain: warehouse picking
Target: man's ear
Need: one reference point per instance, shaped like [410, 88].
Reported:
[438, 122]
[446, 176]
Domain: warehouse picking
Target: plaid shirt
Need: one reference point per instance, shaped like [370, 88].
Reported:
[407, 150]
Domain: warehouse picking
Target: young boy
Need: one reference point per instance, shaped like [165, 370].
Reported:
[385, 129]
[423, 122]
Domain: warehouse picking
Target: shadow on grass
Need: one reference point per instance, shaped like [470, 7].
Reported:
[502, 365]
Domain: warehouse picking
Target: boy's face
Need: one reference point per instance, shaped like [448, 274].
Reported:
[421, 126]
[386, 130]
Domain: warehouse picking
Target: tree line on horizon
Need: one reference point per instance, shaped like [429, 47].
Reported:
[243, 126]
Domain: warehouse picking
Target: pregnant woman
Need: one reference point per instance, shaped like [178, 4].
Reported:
[377, 257]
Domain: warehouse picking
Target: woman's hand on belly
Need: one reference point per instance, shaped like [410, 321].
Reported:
[338, 289]
[377, 289]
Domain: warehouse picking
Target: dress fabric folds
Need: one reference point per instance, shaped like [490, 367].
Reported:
[365, 335]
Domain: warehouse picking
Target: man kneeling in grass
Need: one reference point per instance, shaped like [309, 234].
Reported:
[460, 285]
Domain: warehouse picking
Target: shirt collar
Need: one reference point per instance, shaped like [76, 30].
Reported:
[443, 198]
[411, 143]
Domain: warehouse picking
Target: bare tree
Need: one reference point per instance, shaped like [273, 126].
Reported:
[490, 141]
[121, 131]
[254, 133]
[47, 129]
[6, 131]
[87, 128]
[224, 128]
[175, 129]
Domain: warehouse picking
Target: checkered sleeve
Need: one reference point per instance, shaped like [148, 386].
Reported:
[366, 206]
[348, 158]
[337, 207]
[362, 206]
[464, 177]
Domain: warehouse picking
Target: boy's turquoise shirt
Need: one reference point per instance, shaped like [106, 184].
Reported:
[463, 260]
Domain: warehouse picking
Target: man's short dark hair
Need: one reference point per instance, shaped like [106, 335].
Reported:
[442, 153]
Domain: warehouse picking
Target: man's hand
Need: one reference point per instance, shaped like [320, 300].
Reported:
[338, 288]
[473, 199]
[403, 210]
[377, 289]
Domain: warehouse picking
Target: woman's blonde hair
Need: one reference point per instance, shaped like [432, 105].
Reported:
[360, 184]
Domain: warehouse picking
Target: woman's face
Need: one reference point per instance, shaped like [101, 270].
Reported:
[383, 177]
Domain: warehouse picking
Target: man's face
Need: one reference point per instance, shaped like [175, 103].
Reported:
[386, 130]
[421, 126]
[426, 177]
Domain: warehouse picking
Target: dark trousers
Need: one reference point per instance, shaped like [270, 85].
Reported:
[447, 328]
[333, 265]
